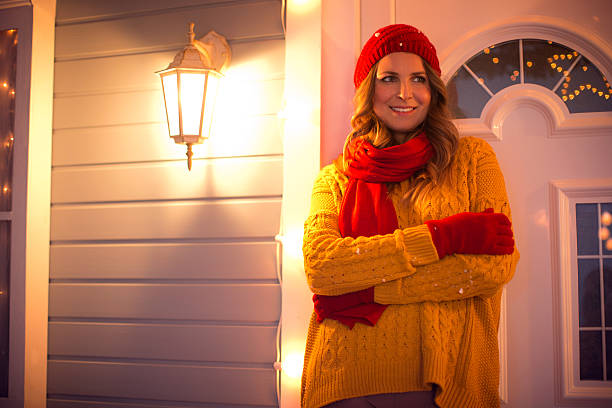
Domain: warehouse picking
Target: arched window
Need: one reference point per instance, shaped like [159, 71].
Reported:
[567, 73]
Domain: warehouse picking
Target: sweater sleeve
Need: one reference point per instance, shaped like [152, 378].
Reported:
[336, 265]
[460, 276]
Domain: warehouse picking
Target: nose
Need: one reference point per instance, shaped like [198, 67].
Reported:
[405, 90]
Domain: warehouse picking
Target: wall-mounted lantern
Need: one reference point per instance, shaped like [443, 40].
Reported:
[190, 85]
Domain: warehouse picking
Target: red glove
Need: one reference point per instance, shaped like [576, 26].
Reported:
[349, 308]
[472, 233]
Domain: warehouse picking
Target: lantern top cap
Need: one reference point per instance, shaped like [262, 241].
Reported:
[209, 52]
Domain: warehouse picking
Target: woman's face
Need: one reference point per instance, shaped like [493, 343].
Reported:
[401, 93]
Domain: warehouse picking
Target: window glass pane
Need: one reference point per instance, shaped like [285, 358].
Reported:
[591, 357]
[5, 252]
[8, 64]
[607, 271]
[587, 227]
[497, 65]
[546, 61]
[609, 354]
[465, 96]
[587, 89]
[605, 232]
[589, 296]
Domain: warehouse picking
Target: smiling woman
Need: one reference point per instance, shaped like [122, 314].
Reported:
[407, 246]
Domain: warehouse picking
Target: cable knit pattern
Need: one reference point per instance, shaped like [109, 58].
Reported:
[441, 325]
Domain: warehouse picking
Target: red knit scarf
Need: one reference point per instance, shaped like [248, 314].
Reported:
[366, 209]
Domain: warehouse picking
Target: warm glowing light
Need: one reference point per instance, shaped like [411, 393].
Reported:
[481, 81]
[5, 85]
[495, 60]
[607, 84]
[559, 69]
[594, 89]
[609, 244]
[529, 64]
[570, 56]
[563, 91]
[513, 78]
[487, 50]
[549, 42]
[562, 56]
[606, 218]
[600, 93]
[293, 364]
[553, 65]
[577, 92]
[12, 92]
[172, 106]
[571, 96]
[565, 98]
[588, 86]
[566, 85]
[5, 189]
[568, 78]
[192, 97]
[582, 87]
[604, 233]
[515, 73]
[575, 53]
[550, 59]
[584, 68]
[607, 96]
[556, 57]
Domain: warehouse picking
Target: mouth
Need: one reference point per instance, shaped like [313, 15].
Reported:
[401, 109]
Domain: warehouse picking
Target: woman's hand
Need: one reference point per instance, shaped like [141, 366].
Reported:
[472, 233]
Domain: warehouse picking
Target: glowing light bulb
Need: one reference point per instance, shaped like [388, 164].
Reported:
[563, 91]
[553, 65]
[556, 57]
[575, 53]
[529, 64]
[607, 96]
[609, 244]
[487, 50]
[577, 92]
[5, 189]
[565, 85]
[512, 78]
[550, 59]
[562, 56]
[584, 68]
[606, 218]
[588, 86]
[481, 81]
[604, 233]
[515, 73]
[292, 365]
[549, 42]
[594, 89]
[569, 56]
[571, 96]
[564, 98]
[582, 87]
[495, 60]
[5, 85]
[559, 69]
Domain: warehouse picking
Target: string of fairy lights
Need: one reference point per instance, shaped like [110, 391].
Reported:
[604, 231]
[569, 91]
[8, 45]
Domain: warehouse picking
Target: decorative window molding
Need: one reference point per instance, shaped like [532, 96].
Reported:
[561, 122]
[569, 388]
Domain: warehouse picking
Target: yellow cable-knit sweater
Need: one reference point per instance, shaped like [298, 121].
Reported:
[441, 325]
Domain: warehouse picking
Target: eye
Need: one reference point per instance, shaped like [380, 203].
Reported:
[420, 78]
[387, 78]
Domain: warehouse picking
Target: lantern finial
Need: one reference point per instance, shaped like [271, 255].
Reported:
[191, 34]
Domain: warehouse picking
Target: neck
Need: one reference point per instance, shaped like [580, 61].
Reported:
[403, 137]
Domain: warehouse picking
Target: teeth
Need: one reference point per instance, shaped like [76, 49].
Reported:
[402, 109]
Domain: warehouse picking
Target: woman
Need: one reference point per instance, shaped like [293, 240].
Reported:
[407, 246]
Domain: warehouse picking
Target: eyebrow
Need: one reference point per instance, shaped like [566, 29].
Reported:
[395, 73]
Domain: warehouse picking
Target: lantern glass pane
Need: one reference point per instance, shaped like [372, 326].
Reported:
[192, 97]
[171, 96]
[211, 96]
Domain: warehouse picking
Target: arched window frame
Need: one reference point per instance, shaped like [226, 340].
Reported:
[559, 120]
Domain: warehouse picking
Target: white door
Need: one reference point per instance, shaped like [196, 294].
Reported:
[539, 142]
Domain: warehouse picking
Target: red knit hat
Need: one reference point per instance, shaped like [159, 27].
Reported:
[394, 38]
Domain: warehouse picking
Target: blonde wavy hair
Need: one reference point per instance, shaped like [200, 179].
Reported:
[438, 127]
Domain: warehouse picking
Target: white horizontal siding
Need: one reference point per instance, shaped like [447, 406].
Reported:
[166, 220]
[189, 261]
[254, 135]
[164, 289]
[167, 181]
[227, 385]
[186, 342]
[167, 30]
[220, 302]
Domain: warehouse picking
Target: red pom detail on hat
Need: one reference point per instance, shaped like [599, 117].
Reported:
[394, 38]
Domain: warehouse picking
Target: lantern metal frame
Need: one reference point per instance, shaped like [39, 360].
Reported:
[208, 56]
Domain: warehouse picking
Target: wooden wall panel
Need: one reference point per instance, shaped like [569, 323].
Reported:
[166, 181]
[72, 10]
[166, 220]
[227, 385]
[251, 135]
[164, 288]
[259, 60]
[184, 260]
[168, 30]
[132, 107]
[220, 302]
[179, 342]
